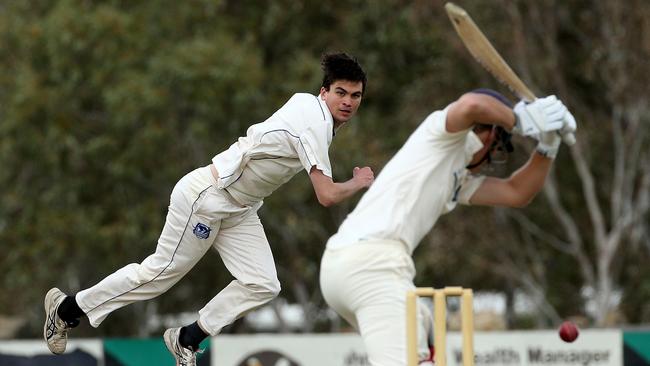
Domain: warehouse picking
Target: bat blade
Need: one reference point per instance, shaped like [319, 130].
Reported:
[482, 50]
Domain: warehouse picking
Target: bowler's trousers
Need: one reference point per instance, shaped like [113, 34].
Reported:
[200, 216]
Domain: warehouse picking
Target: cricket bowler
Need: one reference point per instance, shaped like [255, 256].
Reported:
[216, 206]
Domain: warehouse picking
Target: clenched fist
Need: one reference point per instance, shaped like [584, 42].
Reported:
[363, 176]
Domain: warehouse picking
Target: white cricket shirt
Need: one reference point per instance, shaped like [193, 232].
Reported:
[425, 179]
[295, 137]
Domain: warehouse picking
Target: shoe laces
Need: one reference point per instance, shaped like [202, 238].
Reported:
[188, 356]
[57, 326]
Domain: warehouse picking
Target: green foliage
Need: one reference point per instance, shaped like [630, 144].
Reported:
[105, 105]
[100, 118]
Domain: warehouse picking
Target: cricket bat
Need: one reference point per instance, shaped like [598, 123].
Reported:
[486, 55]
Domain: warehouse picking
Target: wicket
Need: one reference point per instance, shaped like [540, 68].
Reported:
[439, 297]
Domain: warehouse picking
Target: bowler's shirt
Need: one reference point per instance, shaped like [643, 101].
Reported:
[295, 137]
[425, 179]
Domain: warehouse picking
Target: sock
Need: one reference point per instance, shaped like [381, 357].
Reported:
[70, 312]
[191, 336]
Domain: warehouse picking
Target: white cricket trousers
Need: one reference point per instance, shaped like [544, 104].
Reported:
[366, 283]
[200, 216]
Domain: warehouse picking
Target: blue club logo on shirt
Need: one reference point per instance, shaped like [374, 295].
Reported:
[202, 231]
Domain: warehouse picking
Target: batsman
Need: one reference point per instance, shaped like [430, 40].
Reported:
[367, 267]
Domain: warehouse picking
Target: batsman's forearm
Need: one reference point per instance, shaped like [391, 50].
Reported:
[472, 108]
[528, 180]
[488, 110]
[495, 112]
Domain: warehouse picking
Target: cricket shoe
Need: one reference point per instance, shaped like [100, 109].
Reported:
[184, 356]
[55, 330]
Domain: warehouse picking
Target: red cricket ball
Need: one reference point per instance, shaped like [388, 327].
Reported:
[568, 331]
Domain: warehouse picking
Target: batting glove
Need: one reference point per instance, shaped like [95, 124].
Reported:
[549, 143]
[541, 115]
[569, 129]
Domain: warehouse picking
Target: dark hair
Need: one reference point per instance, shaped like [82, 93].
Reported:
[341, 66]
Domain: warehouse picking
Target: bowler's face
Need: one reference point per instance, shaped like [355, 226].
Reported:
[343, 99]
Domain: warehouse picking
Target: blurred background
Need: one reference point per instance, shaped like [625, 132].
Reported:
[105, 105]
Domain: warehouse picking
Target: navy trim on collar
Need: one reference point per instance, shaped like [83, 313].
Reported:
[324, 117]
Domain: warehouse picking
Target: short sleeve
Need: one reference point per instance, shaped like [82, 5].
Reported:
[438, 121]
[314, 146]
[469, 185]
